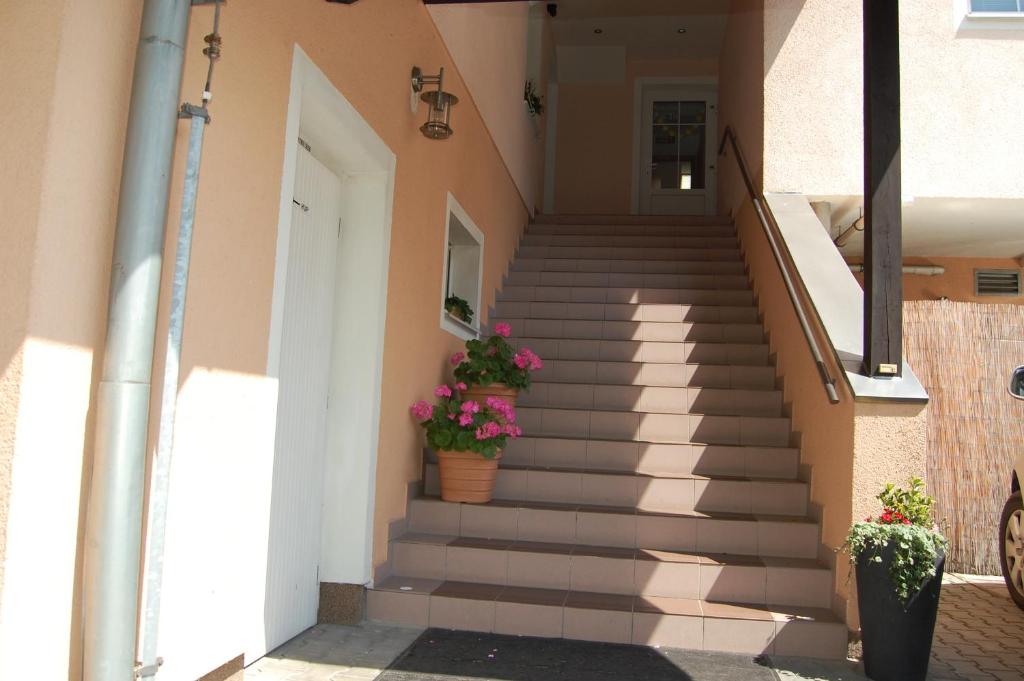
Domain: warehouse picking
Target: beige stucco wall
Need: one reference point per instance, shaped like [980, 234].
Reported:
[956, 112]
[956, 283]
[594, 172]
[62, 137]
[741, 98]
[489, 43]
[73, 62]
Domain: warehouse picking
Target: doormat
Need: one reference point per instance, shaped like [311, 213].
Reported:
[442, 655]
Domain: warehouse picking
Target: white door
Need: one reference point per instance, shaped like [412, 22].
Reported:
[677, 155]
[292, 591]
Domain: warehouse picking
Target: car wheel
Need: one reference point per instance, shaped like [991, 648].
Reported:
[1011, 547]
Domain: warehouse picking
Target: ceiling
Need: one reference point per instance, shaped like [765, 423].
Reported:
[647, 29]
[940, 226]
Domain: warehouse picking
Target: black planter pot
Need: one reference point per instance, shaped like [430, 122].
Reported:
[897, 638]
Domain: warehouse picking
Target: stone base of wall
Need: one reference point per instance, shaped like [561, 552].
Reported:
[341, 603]
[231, 670]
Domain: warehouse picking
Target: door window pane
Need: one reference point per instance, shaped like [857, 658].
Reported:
[997, 5]
[678, 154]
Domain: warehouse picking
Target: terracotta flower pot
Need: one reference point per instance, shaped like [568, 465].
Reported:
[467, 476]
[480, 393]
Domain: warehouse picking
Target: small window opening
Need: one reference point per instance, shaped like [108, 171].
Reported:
[997, 282]
[463, 269]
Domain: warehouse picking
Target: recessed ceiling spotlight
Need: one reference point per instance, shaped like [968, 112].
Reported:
[599, 31]
[680, 30]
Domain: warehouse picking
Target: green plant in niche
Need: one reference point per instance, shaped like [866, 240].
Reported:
[905, 526]
[458, 308]
[534, 104]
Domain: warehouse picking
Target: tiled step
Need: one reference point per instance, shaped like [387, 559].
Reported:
[627, 286]
[612, 303]
[673, 460]
[608, 266]
[771, 431]
[635, 572]
[643, 492]
[653, 399]
[658, 332]
[745, 354]
[635, 230]
[673, 375]
[618, 279]
[628, 253]
[628, 240]
[654, 312]
[732, 533]
[643, 620]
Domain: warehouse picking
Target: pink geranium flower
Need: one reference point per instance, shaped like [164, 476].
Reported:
[457, 358]
[422, 411]
[442, 391]
[470, 407]
[460, 386]
[488, 431]
[465, 419]
[502, 329]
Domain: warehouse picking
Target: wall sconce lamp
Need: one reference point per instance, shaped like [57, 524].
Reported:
[439, 116]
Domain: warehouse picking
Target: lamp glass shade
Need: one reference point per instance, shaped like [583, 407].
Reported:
[439, 114]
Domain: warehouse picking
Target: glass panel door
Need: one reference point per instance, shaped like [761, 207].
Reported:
[678, 147]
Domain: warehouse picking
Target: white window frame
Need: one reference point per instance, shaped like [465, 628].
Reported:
[966, 20]
[454, 326]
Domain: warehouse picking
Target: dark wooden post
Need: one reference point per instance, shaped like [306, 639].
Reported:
[883, 243]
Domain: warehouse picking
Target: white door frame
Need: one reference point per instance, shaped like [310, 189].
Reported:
[347, 144]
[648, 83]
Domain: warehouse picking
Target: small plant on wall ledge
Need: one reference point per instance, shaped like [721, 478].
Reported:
[534, 104]
[898, 557]
[459, 308]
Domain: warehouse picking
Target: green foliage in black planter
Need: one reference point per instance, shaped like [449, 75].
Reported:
[907, 527]
[459, 308]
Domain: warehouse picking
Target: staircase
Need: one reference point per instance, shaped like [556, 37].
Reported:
[654, 498]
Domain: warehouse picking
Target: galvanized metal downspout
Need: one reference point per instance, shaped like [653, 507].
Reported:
[113, 534]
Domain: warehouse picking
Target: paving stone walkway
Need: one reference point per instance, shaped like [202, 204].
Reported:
[979, 637]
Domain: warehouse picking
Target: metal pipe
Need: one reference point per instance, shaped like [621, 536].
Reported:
[113, 532]
[924, 270]
[155, 536]
[156, 532]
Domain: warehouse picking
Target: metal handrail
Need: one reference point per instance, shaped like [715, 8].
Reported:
[774, 238]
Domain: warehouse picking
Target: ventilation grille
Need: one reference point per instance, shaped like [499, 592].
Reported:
[997, 282]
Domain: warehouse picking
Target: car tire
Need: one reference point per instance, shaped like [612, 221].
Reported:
[1011, 547]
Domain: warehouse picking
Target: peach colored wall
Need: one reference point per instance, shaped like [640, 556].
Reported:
[70, 65]
[366, 50]
[74, 61]
[824, 432]
[957, 283]
[741, 98]
[489, 44]
[957, 110]
[594, 169]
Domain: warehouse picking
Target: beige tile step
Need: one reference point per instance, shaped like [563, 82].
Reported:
[651, 374]
[652, 352]
[673, 460]
[616, 303]
[565, 293]
[663, 312]
[629, 240]
[712, 429]
[628, 253]
[733, 533]
[631, 221]
[615, 618]
[636, 572]
[653, 399]
[657, 494]
[608, 266]
[635, 230]
[658, 332]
